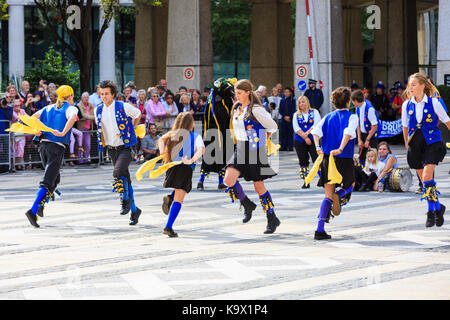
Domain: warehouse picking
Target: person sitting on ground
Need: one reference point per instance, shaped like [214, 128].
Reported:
[150, 143]
[390, 162]
[371, 171]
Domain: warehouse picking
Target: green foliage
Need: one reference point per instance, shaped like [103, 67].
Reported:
[52, 69]
[445, 94]
[3, 10]
[368, 35]
[231, 23]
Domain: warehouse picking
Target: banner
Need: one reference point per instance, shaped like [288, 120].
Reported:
[388, 129]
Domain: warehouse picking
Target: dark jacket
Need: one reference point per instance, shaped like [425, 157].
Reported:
[315, 98]
[5, 114]
[287, 107]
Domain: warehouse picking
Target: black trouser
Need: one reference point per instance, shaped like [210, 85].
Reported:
[52, 155]
[121, 159]
[304, 151]
[373, 143]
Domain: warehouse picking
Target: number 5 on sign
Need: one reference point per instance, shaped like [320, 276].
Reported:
[188, 74]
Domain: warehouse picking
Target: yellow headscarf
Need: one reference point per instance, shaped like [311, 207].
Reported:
[62, 92]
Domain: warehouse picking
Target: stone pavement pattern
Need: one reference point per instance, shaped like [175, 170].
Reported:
[85, 250]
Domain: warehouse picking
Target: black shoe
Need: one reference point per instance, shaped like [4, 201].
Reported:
[200, 186]
[170, 232]
[222, 186]
[272, 223]
[249, 207]
[431, 219]
[126, 206]
[291, 149]
[167, 202]
[363, 188]
[40, 211]
[440, 216]
[306, 186]
[321, 236]
[134, 219]
[32, 218]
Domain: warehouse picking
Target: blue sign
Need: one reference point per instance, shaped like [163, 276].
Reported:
[302, 85]
[388, 129]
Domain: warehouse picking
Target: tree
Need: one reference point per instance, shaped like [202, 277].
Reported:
[3, 10]
[52, 69]
[74, 16]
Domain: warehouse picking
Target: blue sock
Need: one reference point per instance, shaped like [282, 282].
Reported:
[240, 194]
[172, 194]
[202, 176]
[324, 209]
[125, 188]
[220, 178]
[173, 214]
[343, 192]
[131, 197]
[431, 206]
[40, 195]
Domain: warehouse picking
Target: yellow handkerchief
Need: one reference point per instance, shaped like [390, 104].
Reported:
[314, 169]
[448, 145]
[333, 174]
[147, 166]
[156, 173]
[34, 123]
[140, 131]
[272, 148]
[20, 128]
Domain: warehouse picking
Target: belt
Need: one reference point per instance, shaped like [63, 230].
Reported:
[117, 148]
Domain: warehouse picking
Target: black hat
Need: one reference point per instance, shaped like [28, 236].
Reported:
[312, 81]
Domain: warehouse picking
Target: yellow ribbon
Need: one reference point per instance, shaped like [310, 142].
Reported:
[147, 166]
[20, 128]
[448, 145]
[333, 174]
[140, 131]
[156, 173]
[35, 123]
[272, 148]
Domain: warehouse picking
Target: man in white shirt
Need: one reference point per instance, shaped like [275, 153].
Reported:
[116, 122]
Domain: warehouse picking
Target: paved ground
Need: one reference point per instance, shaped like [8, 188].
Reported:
[85, 249]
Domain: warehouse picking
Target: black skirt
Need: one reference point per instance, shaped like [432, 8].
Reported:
[420, 153]
[253, 164]
[179, 177]
[345, 166]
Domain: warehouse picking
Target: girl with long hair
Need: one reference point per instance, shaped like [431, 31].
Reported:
[252, 126]
[421, 114]
[181, 143]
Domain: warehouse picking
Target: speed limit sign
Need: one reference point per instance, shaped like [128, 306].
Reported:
[302, 72]
[188, 74]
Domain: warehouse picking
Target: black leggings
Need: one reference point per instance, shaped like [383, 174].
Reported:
[52, 156]
[305, 151]
[121, 159]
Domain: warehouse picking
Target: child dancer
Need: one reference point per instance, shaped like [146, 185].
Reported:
[420, 118]
[371, 171]
[181, 143]
[338, 133]
[252, 125]
[303, 122]
[60, 117]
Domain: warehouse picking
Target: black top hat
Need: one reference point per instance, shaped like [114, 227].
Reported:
[312, 81]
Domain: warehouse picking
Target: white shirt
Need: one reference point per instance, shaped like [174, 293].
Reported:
[295, 125]
[277, 101]
[261, 115]
[437, 106]
[109, 126]
[371, 115]
[72, 110]
[95, 99]
[350, 130]
[370, 167]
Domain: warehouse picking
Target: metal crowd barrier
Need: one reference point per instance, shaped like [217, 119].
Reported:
[5, 149]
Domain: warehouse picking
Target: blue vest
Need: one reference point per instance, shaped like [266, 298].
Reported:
[256, 133]
[367, 124]
[429, 124]
[124, 123]
[56, 119]
[387, 158]
[333, 132]
[305, 125]
[188, 149]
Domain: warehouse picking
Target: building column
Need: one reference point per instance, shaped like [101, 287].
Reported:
[443, 54]
[16, 40]
[396, 47]
[150, 55]
[353, 47]
[271, 54]
[107, 52]
[326, 29]
[189, 44]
